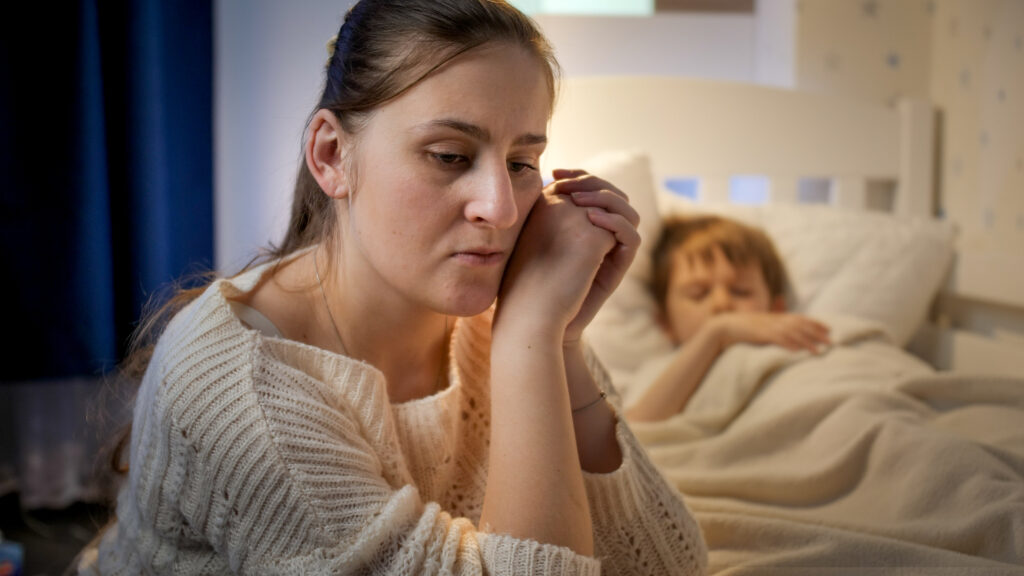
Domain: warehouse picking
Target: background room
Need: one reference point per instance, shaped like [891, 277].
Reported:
[167, 174]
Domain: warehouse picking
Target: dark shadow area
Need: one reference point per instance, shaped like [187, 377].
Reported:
[50, 539]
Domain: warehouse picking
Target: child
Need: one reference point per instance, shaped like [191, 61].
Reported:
[717, 282]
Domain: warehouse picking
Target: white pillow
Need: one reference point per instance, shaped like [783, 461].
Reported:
[873, 265]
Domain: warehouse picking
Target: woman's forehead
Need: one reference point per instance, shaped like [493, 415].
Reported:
[493, 88]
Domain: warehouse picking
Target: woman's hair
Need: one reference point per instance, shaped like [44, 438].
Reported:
[698, 236]
[384, 48]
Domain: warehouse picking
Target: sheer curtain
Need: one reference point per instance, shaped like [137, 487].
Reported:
[105, 197]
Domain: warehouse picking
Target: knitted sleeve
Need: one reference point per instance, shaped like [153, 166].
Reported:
[247, 465]
[641, 524]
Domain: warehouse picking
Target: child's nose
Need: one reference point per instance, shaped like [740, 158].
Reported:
[721, 301]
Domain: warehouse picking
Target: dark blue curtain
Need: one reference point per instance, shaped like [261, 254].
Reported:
[106, 173]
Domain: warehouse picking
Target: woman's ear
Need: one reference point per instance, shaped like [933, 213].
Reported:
[324, 154]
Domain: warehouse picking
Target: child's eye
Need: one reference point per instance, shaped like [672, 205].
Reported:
[741, 292]
[697, 293]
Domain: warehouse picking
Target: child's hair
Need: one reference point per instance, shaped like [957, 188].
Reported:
[741, 244]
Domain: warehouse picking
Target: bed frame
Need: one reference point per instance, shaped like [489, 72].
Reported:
[874, 157]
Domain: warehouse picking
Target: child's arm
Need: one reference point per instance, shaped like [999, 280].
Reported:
[672, 389]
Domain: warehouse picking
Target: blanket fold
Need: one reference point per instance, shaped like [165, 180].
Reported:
[858, 457]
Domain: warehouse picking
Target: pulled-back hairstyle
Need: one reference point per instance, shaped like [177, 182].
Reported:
[384, 47]
[698, 236]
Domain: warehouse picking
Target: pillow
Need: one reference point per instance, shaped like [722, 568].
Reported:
[873, 265]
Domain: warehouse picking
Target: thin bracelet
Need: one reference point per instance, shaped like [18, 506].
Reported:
[600, 397]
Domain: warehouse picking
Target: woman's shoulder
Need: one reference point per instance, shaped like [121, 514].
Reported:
[208, 326]
[207, 354]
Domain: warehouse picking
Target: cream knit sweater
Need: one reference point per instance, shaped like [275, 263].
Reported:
[261, 455]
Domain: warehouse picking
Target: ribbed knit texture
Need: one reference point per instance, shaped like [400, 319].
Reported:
[254, 454]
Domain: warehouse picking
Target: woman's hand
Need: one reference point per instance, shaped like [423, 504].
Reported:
[607, 208]
[573, 250]
[791, 331]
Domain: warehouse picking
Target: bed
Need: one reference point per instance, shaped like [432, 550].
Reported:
[901, 448]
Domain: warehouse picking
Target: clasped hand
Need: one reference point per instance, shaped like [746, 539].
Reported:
[791, 331]
[572, 252]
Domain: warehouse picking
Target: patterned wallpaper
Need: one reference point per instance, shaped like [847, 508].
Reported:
[966, 56]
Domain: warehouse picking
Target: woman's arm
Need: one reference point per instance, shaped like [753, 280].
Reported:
[607, 208]
[535, 483]
[593, 418]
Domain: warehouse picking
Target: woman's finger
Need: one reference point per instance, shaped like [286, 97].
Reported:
[624, 231]
[586, 182]
[609, 201]
[564, 173]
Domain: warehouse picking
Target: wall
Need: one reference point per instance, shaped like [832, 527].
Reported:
[977, 80]
[717, 46]
[267, 81]
[966, 56]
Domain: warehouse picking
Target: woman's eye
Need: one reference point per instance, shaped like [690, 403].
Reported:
[517, 167]
[740, 292]
[449, 158]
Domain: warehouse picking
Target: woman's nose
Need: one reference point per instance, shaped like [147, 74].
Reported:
[492, 200]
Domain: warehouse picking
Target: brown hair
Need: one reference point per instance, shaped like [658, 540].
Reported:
[384, 48]
[699, 235]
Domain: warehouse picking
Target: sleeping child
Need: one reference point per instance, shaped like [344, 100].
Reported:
[717, 282]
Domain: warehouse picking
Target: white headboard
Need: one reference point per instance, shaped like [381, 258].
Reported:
[715, 130]
[873, 157]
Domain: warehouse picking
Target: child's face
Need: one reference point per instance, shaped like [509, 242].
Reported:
[699, 289]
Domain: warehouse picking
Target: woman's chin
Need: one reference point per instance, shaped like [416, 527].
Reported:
[469, 301]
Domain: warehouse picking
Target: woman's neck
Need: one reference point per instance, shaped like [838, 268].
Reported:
[404, 339]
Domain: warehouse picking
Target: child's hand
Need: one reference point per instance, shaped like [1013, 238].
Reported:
[791, 331]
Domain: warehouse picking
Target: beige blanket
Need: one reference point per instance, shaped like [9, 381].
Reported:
[861, 460]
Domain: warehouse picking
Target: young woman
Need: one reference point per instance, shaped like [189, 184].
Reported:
[359, 403]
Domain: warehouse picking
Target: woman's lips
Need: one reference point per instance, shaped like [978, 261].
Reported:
[480, 257]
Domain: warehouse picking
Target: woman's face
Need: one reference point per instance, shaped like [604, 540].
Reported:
[445, 176]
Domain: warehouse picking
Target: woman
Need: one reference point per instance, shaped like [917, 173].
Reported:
[356, 405]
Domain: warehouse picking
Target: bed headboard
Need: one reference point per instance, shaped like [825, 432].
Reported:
[805, 147]
[874, 156]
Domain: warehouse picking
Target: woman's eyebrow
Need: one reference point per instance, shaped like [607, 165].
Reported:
[479, 132]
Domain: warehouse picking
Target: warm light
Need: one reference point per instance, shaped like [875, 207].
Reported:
[595, 7]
